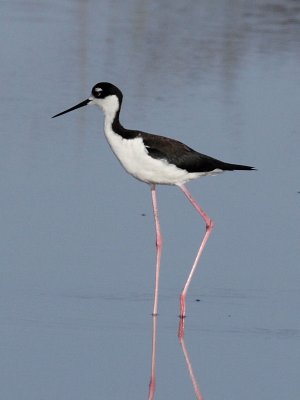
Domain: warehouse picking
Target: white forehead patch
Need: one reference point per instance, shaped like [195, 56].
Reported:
[98, 90]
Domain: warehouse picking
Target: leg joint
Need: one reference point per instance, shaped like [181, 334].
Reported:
[209, 224]
[159, 241]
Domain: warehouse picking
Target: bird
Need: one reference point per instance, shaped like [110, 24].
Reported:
[155, 160]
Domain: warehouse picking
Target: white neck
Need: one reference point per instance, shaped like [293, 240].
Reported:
[110, 106]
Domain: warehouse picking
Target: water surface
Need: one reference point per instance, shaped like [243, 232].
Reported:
[77, 235]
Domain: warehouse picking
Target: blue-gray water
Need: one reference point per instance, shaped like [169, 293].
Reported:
[77, 253]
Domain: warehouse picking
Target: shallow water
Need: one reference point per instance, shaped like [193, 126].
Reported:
[77, 235]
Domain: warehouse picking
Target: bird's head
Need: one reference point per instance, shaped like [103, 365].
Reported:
[105, 95]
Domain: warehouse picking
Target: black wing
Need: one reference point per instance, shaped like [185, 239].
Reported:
[184, 157]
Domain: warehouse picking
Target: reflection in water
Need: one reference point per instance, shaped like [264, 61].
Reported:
[184, 42]
[152, 383]
[188, 360]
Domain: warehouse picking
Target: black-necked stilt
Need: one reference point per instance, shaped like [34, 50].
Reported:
[155, 160]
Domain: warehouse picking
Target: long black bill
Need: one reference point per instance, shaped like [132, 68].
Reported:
[82, 104]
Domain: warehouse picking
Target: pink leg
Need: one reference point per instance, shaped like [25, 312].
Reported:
[159, 242]
[209, 226]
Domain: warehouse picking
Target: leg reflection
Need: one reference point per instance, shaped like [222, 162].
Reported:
[197, 390]
[152, 384]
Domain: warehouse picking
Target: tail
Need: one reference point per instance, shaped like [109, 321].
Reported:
[236, 167]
